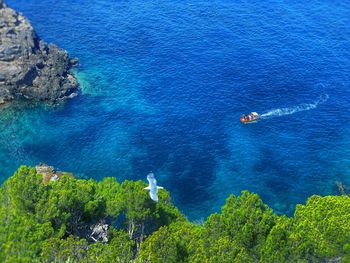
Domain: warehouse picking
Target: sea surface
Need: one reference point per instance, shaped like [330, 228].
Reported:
[165, 82]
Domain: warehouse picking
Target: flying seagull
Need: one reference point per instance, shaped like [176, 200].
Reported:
[153, 188]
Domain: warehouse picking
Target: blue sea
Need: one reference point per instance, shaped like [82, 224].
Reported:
[163, 84]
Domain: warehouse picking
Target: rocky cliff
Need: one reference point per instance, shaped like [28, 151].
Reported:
[30, 68]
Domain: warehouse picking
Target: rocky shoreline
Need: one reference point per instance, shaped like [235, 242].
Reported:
[29, 67]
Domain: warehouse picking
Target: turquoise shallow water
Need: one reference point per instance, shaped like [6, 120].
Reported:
[163, 87]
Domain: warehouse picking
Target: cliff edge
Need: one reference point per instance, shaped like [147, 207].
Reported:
[29, 67]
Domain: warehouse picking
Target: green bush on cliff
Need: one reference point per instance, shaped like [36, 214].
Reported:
[55, 222]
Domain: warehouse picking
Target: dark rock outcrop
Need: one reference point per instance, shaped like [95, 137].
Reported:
[30, 68]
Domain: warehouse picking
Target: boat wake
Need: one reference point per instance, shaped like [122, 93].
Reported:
[292, 110]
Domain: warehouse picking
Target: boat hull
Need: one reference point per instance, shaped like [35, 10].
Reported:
[250, 121]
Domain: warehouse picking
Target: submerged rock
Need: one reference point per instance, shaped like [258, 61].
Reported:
[342, 188]
[29, 67]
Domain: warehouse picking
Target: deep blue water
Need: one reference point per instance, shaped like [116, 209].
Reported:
[165, 82]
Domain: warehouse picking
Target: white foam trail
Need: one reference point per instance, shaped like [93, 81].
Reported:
[291, 110]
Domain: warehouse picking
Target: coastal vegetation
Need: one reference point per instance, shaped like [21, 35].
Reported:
[76, 220]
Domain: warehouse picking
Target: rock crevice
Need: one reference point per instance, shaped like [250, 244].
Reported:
[29, 67]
